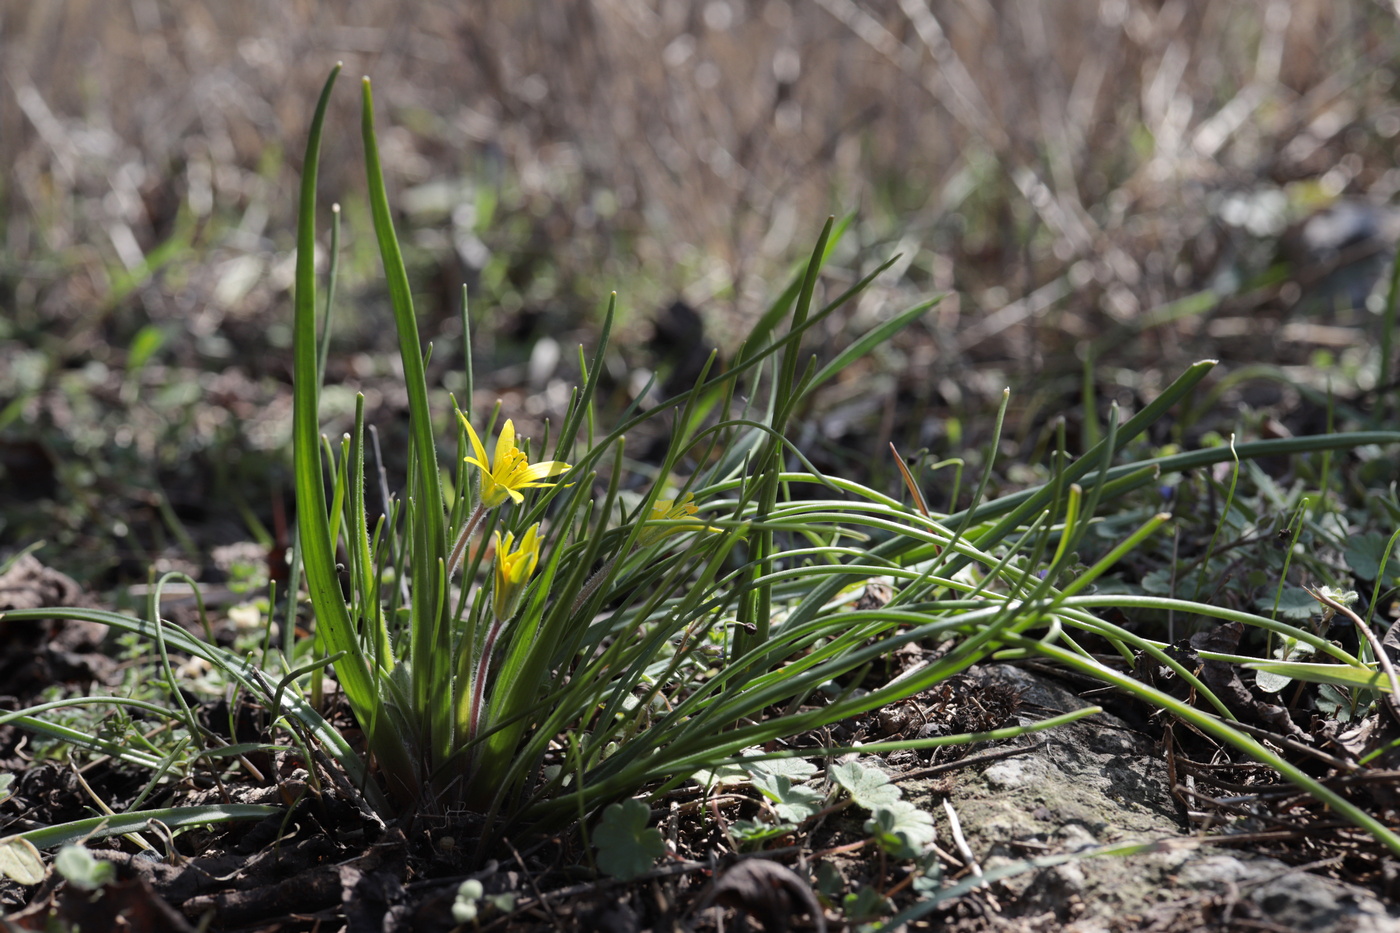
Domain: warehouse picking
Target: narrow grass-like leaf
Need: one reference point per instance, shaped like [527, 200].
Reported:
[1340, 674]
[431, 642]
[757, 613]
[99, 827]
[872, 339]
[236, 668]
[334, 624]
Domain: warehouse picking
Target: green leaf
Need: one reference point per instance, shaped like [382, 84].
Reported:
[799, 769]
[790, 801]
[901, 829]
[871, 340]
[431, 635]
[729, 775]
[97, 827]
[868, 787]
[752, 832]
[1271, 682]
[144, 345]
[830, 884]
[505, 903]
[20, 861]
[318, 549]
[5, 781]
[723, 776]
[1336, 704]
[1364, 552]
[866, 905]
[1293, 603]
[1342, 675]
[76, 864]
[1158, 582]
[928, 874]
[1275, 680]
[626, 846]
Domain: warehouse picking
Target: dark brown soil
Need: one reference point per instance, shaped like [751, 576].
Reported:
[1230, 848]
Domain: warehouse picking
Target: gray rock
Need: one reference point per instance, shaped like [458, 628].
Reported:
[1096, 782]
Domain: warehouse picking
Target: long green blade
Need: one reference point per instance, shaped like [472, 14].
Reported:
[431, 642]
[313, 521]
[98, 827]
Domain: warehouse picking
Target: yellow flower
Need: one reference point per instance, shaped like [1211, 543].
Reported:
[513, 570]
[509, 470]
[668, 510]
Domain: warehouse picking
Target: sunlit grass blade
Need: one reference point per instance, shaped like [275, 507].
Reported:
[333, 621]
[1341, 675]
[872, 339]
[759, 335]
[757, 613]
[431, 639]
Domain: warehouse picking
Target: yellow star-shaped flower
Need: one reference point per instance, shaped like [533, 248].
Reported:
[513, 570]
[509, 470]
[669, 510]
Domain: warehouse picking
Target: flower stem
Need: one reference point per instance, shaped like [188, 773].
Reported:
[478, 686]
[454, 561]
[593, 583]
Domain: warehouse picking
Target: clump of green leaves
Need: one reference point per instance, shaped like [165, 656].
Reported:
[902, 829]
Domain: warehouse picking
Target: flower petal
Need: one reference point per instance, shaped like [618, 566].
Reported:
[477, 447]
[547, 468]
[505, 448]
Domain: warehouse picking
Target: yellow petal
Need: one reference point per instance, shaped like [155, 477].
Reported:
[544, 469]
[505, 447]
[477, 447]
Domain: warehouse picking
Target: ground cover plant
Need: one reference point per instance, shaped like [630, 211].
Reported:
[704, 620]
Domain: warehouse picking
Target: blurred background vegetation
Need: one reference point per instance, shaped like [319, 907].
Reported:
[1106, 189]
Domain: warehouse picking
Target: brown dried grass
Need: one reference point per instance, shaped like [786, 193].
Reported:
[1021, 153]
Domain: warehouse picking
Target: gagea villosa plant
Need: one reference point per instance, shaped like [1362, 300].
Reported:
[522, 640]
[602, 645]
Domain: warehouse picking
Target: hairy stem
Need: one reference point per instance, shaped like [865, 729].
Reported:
[459, 549]
[478, 686]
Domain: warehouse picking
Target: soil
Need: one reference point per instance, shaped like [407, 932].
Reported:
[1004, 812]
[1226, 847]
